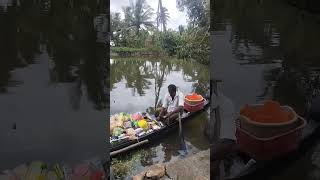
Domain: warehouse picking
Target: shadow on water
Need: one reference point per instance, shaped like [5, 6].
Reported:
[53, 80]
[268, 50]
[139, 84]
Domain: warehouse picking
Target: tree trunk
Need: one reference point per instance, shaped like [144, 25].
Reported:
[138, 30]
[162, 16]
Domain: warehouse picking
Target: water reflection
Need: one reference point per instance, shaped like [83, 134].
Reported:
[70, 38]
[53, 79]
[267, 50]
[151, 77]
[260, 33]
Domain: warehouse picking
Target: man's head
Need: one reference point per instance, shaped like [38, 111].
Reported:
[172, 90]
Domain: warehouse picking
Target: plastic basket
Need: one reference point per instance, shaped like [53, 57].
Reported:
[264, 130]
[193, 102]
[193, 108]
[268, 148]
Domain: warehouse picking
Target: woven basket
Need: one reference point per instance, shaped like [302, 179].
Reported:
[265, 130]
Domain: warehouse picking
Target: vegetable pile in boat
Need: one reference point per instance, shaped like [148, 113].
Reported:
[124, 126]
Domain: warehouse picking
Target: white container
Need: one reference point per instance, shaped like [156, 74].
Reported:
[155, 127]
[138, 130]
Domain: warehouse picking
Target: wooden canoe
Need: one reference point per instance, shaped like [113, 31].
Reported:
[127, 145]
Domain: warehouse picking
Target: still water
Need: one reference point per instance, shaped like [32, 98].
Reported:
[52, 81]
[268, 50]
[139, 84]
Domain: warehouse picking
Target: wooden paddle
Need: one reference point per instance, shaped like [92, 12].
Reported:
[183, 147]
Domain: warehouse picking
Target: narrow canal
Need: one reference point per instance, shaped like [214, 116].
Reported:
[137, 85]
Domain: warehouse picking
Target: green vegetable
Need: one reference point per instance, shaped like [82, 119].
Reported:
[58, 172]
[117, 131]
[44, 166]
[135, 123]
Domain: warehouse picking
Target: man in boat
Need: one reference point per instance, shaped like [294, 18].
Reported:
[172, 104]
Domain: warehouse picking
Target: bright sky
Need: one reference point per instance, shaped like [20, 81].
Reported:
[176, 17]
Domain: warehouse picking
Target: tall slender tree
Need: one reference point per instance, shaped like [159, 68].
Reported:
[162, 16]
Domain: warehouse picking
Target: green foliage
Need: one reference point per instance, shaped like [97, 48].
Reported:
[191, 42]
[116, 25]
[132, 31]
[122, 168]
[168, 41]
[141, 38]
[141, 14]
[181, 29]
[197, 10]
[127, 49]
[194, 44]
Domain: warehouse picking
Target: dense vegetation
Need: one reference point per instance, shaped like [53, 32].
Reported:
[138, 29]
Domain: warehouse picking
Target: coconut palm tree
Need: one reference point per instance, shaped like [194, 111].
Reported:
[163, 17]
[138, 14]
[116, 25]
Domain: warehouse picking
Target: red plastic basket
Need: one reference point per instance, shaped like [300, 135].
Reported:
[268, 148]
[193, 108]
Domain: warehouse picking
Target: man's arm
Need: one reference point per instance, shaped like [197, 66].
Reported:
[161, 113]
[164, 106]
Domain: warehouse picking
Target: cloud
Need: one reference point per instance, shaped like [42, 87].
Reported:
[116, 5]
[176, 17]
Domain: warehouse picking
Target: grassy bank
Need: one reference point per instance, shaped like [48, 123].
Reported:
[131, 52]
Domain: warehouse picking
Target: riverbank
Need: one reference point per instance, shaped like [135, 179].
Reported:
[136, 52]
[196, 166]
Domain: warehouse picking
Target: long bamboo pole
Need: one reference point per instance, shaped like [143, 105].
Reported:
[129, 147]
[217, 126]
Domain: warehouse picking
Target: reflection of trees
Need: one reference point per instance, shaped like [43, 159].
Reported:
[19, 42]
[159, 72]
[74, 47]
[263, 31]
[195, 73]
[67, 30]
[139, 74]
[254, 36]
[135, 72]
[261, 24]
[298, 87]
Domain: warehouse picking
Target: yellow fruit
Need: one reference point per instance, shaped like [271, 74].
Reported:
[143, 124]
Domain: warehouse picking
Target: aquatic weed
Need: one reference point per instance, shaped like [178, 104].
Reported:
[122, 167]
